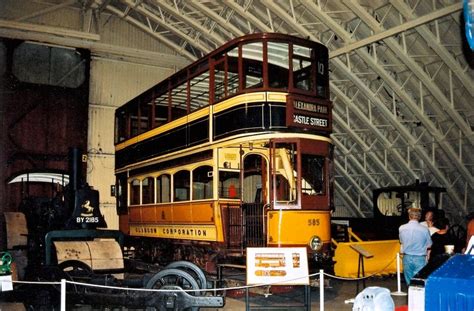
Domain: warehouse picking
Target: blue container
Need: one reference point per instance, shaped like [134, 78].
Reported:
[451, 286]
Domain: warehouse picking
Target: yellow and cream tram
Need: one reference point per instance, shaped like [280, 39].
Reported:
[230, 152]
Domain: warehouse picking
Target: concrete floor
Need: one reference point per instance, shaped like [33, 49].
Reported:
[335, 297]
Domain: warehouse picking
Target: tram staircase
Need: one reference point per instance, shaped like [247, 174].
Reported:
[245, 226]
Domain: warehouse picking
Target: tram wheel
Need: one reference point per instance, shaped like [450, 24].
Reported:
[192, 269]
[75, 270]
[174, 277]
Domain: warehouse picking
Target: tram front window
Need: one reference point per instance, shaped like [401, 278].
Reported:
[252, 57]
[303, 71]
[286, 177]
[278, 65]
[312, 173]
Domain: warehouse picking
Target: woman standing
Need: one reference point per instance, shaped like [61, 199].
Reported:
[441, 238]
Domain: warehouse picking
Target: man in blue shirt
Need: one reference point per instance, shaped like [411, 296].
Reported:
[415, 243]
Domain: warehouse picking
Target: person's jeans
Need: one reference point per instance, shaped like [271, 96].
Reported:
[411, 265]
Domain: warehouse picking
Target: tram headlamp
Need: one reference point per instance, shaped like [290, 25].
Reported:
[315, 243]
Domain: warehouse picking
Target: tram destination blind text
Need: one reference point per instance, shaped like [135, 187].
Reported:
[302, 105]
[311, 121]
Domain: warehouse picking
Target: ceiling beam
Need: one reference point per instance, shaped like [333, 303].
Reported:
[289, 19]
[159, 37]
[218, 40]
[99, 49]
[348, 199]
[414, 108]
[382, 34]
[375, 131]
[49, 30]
[246, 15]
[144, 10]
[353, 161]
[45, 11]
[439, 49]
[361, 193]
[411, 141]
[401, 129]
[217, 18]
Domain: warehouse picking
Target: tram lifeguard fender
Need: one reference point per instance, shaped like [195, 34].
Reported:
[382, 262]
[99, 254]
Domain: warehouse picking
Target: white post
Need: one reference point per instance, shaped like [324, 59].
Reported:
[63, 295]
[399, 282]
[321, 290]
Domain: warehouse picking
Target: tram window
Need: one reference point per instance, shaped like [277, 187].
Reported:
[312, 173]
[135, 192]
[229, 184]
[285, 168]
[233, 71]
[283, 189]
[202, 183]
[179, 106]
[134, 121]
[163, 189]
[199, 91]
[278, 65]
[226, 75]
[277, 115]
[148, 190]
[144, 123]
[303, 74]
[181, 181]
[161, 109]
[219, 81]
[252, 55]
[121, 126]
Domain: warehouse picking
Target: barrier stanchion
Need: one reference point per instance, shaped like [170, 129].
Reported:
[321, 289]
[63, 285]
[399, 282]
[63, 295]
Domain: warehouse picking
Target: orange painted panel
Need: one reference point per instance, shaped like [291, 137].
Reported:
[134, 214]
[149, 213]
[193, 212]
[182, 212]
[203, 212]
[164, 214]
[173, 213]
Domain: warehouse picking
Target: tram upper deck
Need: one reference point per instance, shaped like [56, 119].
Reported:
[257, 83]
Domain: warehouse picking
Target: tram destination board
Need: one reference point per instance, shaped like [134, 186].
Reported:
[305, 112]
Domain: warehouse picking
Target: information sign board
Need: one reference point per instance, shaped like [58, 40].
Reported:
[278, 266]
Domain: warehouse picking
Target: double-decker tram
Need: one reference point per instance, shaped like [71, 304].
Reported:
[230, 152]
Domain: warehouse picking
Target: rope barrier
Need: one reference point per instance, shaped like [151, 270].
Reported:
[364, 277]
[321, 274]
[205, 290]
[35, 282]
